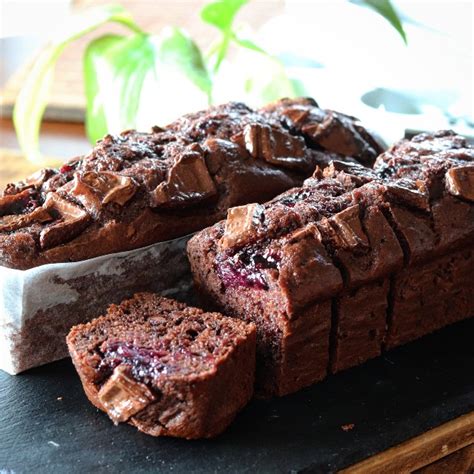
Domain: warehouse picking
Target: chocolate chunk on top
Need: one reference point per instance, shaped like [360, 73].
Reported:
[18, 221]
[241, 224]
[349, 174]
[71, 220]
[460, 182]
[273, 145]
[398, 191]
[306, 271]
[12, 204]
[34, 181]
[345, 228]
[188, 182]
[93, 190]
[329, 130]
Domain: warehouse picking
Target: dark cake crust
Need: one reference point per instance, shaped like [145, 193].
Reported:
[136, 188]
[352, 238]
[168, 369]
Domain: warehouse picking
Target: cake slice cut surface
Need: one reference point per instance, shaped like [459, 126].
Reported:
[168, 369]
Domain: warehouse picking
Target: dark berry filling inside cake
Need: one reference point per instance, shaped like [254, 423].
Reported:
[246, 267]
[145, 363]
[152, 337]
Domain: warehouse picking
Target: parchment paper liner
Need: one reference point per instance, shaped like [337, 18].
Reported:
[38, 306]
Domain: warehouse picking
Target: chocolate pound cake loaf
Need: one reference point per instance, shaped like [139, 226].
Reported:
[356, 261]
[136, 188]
[168, 369]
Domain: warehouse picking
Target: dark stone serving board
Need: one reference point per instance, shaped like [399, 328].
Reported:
[47, 425]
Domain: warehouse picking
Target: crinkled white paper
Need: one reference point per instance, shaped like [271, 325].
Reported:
[38, 306]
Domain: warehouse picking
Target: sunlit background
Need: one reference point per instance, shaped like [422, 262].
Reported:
[346, 56]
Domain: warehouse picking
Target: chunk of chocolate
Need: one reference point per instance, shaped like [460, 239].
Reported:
[72, 220]
[349, 174]
[352, 168]
[307, 273]
[93, 189]
[272, 145]
[121, 191]
[460, 182]
[219, 152]
[85, 194]
[122, 396]
[188, 182]
[19, 221]
[333, 134]
[309, 231]
[15, 203]
[453, 220]
[241, 225]
[410, 197]
[347, 229]
[37, 179]
[34, 181]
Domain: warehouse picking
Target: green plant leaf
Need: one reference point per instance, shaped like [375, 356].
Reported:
[221, 14]
[385, 9]
[32, 99]
[178, 50]
[96, 120]
[267, 81]
[245, 43]
[115, 68]
[298, 87]
[278, 87]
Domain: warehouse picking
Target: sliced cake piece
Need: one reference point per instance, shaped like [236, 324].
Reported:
[359, 325]
[429, 295]
[168, 369]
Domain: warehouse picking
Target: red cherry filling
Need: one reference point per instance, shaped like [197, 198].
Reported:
[145, 363]
[244, 268]
[66, 168]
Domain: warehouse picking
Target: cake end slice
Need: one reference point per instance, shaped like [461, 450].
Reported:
[164, 367]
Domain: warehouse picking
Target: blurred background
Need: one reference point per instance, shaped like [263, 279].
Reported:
[347, 57]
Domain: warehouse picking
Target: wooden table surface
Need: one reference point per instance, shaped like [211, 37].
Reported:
[445, 449]
[59, 141]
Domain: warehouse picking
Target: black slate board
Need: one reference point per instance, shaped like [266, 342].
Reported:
[47, 425]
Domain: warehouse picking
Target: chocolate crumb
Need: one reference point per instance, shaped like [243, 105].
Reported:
[348, 427]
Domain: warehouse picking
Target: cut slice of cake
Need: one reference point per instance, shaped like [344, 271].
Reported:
[168, 369]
